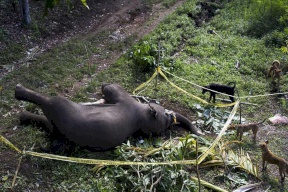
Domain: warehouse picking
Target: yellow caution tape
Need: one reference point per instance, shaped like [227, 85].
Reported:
[159, 71]
[233, 112]
[208, 185]
[191, 95]
[9, 144]
[243, 97]
[263, 95]
[91, 161]
[144, 84]
[198, 85]
[105, 162]
[175, 86]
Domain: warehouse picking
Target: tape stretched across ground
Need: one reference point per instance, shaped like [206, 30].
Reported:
[159, 71]
[90, 161]
[242, 97]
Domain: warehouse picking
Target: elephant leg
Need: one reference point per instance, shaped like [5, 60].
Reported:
[28, 118]
[186, 124]
[59, 144]
[22, 93]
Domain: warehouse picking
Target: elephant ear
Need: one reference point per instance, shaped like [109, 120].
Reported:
[155, 120]
[153, 111]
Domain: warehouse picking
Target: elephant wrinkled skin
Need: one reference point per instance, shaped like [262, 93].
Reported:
[99, 126]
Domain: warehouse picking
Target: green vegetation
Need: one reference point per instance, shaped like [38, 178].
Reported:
[200, 55]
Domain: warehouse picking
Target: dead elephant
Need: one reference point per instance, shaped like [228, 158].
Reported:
[99, 126]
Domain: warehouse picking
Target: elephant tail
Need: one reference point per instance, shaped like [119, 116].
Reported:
[186, 124]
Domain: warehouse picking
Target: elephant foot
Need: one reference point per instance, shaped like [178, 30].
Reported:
[24, 118]
[24, 94]
[19, 92]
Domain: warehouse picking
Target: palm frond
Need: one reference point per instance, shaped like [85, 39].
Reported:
[248, 187]
[243, 161]
[212, 163]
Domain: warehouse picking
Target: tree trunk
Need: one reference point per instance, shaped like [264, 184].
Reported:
[24, 11]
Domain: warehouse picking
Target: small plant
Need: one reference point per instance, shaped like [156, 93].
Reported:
[284, 49]
[144, 55]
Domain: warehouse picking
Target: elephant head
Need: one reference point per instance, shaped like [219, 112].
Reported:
[155, 119]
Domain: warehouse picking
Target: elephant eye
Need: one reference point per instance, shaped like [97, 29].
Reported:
[154, 113]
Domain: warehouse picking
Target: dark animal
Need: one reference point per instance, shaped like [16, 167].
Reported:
[219, 88]
[269, 157]
[99, 126]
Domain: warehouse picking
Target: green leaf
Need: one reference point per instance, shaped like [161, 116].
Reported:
[5, 178]
[85, 3]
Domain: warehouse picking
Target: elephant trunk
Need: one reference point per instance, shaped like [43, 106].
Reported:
[186, 124]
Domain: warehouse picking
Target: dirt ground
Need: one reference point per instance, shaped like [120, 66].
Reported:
[127, 17]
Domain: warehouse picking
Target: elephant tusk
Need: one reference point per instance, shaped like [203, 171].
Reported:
[174, 118]
[173, 114]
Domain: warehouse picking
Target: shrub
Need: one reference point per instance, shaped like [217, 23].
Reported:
[144, 55]
[266, 16]
[276, 38]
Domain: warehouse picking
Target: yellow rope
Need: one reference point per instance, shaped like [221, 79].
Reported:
[198, 98]
[243, 97]
[146, 83]
[105, 162]
[9, 144]
[232, 114]
[159, 71]
[264, 95]
[198, 85]
[91, 161]
[180, 89]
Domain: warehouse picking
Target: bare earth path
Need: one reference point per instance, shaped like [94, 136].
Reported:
[128, 21]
